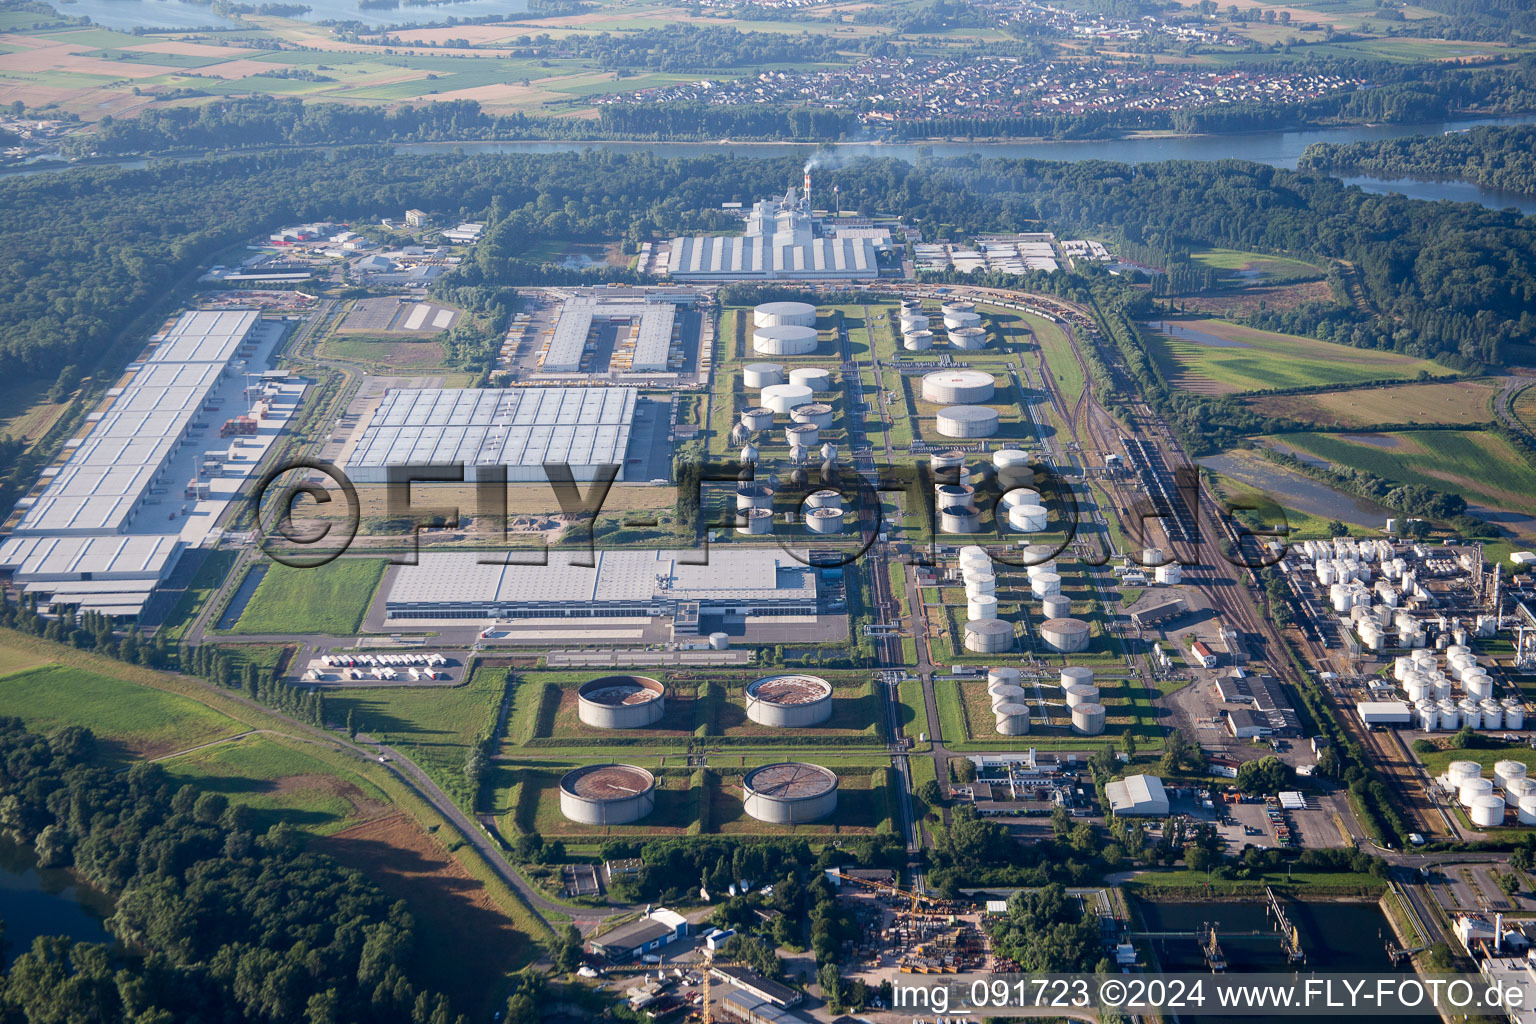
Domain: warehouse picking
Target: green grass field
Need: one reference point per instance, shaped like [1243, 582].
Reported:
[1236, 266]
[1482, 467]
[280, 783]
[1217, 357]
[330, 599]
[128, 719]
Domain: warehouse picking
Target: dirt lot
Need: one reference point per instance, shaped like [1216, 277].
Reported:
[463, 938]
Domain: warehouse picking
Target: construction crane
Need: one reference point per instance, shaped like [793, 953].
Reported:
[707, 1015]
[896, 890]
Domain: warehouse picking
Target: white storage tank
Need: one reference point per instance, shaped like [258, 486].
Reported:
[957, 306]
[1504, 771]
[1479, 686]
[824, 520]
[1027, 518]
[754, 521]
[1020, 496]
[1080, 693]
[1055, 606]
[1076, 675]
[980, 583]
[1341, 597]
[607, 794]
[1418, 689]
[1045, 584]
[719, 641]
[758, 417]
[1004, 674]
[1401, 666]
[1487, 812]
[1517, 789]
[803, 434]
[1472, 789]
[1010, 458]
[958, 387]
[1011, 719]
[784, 340]
[959, 519]
[749, 454]
[968, 337]
[966, 421]
[917, 341]
[1428, 715]
[1471, 714]
[1493, 714]
[784, 314]
[1450, 715]
[982, 606]
[1514, 714]
[1169, 574]
[913, 321]
[789, 793]
[816, 414]
[958, 321]
[1442, 688]
[789, 701]
[1067, 636]
[1461, 771]
[813, 377]
[755, 376]
[1088, 719]
[783, 398]
[753, 496]
[1527, 811]
[824, 498]
[988, 636]
[621, 702]
[1002, 693]
[974, 556]
[953, 494]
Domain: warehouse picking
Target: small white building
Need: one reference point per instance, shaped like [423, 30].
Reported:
[1384, 712]
[1138, 796]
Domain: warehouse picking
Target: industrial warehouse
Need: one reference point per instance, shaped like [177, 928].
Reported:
[516, 430]
[622, 584]
[646, 348]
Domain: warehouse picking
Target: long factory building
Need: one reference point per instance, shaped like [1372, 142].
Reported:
[621, 584]
[73, 539]
[519, 429]
[779, 242]
[651, 322]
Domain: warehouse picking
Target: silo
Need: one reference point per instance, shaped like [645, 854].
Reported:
[824, 520]
[789, 793]
[1471, 714]
[1055, 606]
[1080, 693]
[980, 583]
[621, 702]
[989, 636]
[1011, 719]
[1505, 771]
[982, 606]
[1514, 714]
[1487, 812]
[754, 496]
[1027, 518]
[754, 521]
[784, 398]
[1019, 497]
[1527, 812]
[816, 414]
[917, 341]
[719, 641]
[1169, 574]
[1076, 675]
[824, 498]
[607, 794]
[803, 434]
[959, 519]
[1517, 790]
[1428, 715]
[1493, 714]
[784, 340]
[813, 377]
[1450, 715]
[966, 421]
[756, 418]
[1067, 636]
[789, 701]
[945, 465]
[958, 387]
[1088, 719]
[1002, 693]
[755, 376]
[968, 337]
[1479, 686]
[784, 314]
[1044, 584]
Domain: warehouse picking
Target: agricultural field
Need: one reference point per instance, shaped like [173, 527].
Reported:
[1215, 357]
[1235, 267]
[280, 781]
[1456, 402]
[330, 599]
[1481, 467]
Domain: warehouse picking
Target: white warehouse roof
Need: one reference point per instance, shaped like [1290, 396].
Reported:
[121, 557]
[1384, 712]
[520, 428]
[205, 336]
[575, 323]
[1137, 795]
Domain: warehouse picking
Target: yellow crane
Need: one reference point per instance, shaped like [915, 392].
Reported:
[707, 1015]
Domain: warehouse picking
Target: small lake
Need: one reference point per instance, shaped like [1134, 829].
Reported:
[125, 15]
[1296, 490]
[39, 901]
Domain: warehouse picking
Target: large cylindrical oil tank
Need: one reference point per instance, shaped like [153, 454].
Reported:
[1418, 689]
[946, 464]
[953, 494]
[1487, 812]
[917, 341]
[982, 606]
[914, 322]
[1066, 636]
[974, 557]
[1518, 788]
[817, 414]
[1427, 714]
[1027, 518]
[805, 435]
[1478, 684]
[1527, 813]
[1493, 714]
[621, 702]
[1504, 771]
[1010, 458]
[954, 321]
[1004, 674]
[1471, 714]
[968, 337]
[824, 520]
[958, 387]
[966, 421]
[1055, 606]
[813, 377]
[1002, 693]
[959, 519]
[1169, 574]
[980, 583]
[1461, 771]
[761, 375]
[1450, 715]
[758, 417]
[825, 498]
[1019, 497]
[607, 794]
[989, 636]
[1011, 719]
[783, 398]
[1514, 714]
[719, 641]
[754, 496]
[957, 306]
[789, 793]
[1076, 675]
[784, 341]
[784, 314]
[1080, 693]
[1088, 719]
[1044, 584]
[754, 521]
[1472, 789]
[789, 701]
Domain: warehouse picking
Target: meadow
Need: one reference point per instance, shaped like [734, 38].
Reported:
[331, 599]
[1455, 402]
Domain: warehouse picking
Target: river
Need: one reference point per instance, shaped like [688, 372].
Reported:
[126, 15]
[39, 901]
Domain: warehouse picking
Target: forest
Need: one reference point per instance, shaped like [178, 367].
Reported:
[1493, 156]
[224, 924]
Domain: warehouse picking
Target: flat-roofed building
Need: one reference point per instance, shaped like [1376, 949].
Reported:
[779, 242]
[651, 932]
[753, 984]
[1158, 612]
[455, 585]
[518, 429]
[1137, 796]
[651, 322]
